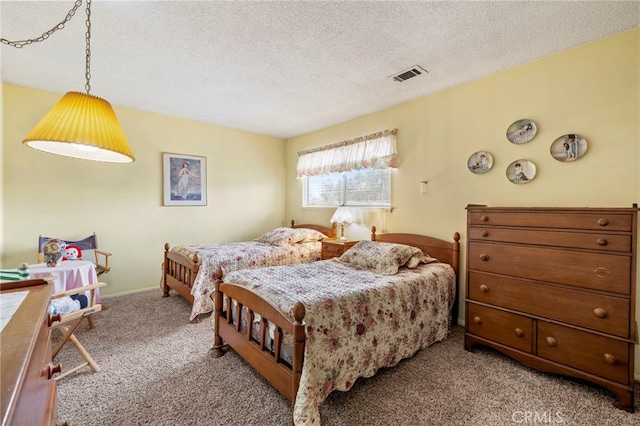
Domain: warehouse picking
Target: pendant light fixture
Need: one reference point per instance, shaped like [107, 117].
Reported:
[80, 125]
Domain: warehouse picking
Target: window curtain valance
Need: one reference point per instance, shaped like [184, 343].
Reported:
[375, 151]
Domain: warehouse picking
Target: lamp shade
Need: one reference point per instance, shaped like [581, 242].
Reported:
[343, 215]
[81, 126]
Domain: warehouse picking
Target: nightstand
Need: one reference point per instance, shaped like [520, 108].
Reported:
[334, 248]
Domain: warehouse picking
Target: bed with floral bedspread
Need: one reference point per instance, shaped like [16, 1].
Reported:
[196, 280]
[364, 311]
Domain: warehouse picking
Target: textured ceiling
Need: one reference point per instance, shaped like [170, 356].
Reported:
[291, 67]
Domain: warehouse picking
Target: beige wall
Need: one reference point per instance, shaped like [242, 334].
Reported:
[59, 196]
[592, 90]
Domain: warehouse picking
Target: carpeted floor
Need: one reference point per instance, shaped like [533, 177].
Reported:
[156, 370]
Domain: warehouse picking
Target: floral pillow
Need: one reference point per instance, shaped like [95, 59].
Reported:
[382, 258]
[288, 236]
[419, 258]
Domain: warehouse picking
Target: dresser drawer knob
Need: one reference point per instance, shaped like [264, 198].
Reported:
[485, 233]
[477, 320]
[519, 332]
[484, 257]
[551, 341]
[600, 313]
[610, 359]
[602, 242]
[603, 222]
[484, 288]
[484, 218]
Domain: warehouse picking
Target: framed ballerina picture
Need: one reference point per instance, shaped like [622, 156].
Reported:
[184, 180]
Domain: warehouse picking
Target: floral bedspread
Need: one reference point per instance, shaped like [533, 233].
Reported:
[239, 255]
[356, 321]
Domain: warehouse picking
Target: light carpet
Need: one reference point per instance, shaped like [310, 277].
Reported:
[156, 370]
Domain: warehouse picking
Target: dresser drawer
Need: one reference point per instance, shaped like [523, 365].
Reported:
[606, 272]
[581, 240]
[588, 352]
[38, 390]
[502, 327]
[608, 314]
[561, 220]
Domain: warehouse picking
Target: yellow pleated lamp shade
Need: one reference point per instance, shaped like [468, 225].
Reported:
[81, 126]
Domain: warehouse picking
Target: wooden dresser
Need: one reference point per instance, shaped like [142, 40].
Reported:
[28, 392]
[554, 288]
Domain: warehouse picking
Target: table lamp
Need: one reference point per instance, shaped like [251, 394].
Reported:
[341, 216]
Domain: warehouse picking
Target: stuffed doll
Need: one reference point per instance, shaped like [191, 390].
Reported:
[72, 253]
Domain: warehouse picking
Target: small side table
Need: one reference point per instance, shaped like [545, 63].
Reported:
[334, 248]
[68, 275]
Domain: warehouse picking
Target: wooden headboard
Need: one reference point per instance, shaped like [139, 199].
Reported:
[329, 232]
[444, 251]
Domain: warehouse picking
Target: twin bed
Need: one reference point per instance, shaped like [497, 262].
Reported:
[190, 270]
[311, 328]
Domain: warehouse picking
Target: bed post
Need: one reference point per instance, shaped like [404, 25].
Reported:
[299, 336]
[217, 312]
[165, 266]
[373, 233]
[455, 262]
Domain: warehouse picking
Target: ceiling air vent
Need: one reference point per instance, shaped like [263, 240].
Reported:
[410, 73]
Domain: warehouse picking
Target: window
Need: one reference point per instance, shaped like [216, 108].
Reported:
[360, 188]
[355, 173]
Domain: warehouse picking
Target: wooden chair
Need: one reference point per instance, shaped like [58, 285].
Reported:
[90, 252]
[68, 324]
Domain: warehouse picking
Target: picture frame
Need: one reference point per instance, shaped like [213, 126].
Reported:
[184, 180]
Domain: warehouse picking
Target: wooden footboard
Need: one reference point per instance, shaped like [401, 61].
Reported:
[179, 273]
[267, 361]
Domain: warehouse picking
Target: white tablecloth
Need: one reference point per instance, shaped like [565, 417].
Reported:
[70, 274]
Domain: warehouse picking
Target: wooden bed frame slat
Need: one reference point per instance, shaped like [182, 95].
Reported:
[278, 374]
[255, 303]
[179, 273]
[283, 377]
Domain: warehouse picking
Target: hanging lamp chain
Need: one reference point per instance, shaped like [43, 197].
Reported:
[60, 25]
[45, 35]
[87, 74]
